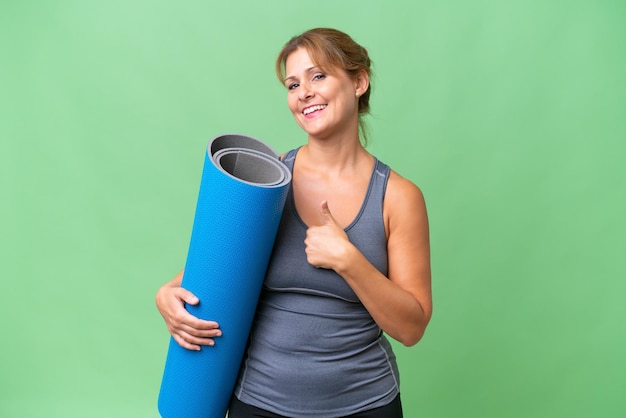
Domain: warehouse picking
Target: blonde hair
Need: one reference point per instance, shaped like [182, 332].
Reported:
[330, 49]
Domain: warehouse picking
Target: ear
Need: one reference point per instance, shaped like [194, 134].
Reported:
[361, 83]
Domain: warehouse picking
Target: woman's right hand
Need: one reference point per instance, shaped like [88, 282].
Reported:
[189, 331]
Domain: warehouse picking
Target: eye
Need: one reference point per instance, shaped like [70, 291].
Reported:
[319, 76]
[292, 86]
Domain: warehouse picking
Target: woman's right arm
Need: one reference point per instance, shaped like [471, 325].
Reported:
[189, 331]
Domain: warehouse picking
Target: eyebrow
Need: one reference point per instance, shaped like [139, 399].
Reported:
[308, 70]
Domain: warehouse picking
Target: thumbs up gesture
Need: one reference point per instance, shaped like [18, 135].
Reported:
[327, 245]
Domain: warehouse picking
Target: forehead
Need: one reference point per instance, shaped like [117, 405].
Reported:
[301, 60]
[298, 60]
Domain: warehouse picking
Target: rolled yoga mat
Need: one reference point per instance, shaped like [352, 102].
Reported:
[242, 194]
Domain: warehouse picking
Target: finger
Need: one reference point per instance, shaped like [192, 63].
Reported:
[199, 333]
[186, 296]
[326, 215]
[198, 323]
[192, 341]
[196, 339]
[184, 319]
[180, 314]
[324, 209]
[184, 344]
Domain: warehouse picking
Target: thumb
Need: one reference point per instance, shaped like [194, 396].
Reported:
[326, 215]
[188, 297]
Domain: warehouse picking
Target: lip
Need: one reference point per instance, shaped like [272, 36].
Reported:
[315, 112]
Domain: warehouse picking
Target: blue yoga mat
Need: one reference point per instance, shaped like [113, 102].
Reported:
[242, 194]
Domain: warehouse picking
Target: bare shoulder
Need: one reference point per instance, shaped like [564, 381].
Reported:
[403, 195]
[404, 207]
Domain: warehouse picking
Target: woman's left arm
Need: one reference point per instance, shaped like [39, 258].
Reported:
[401, 304]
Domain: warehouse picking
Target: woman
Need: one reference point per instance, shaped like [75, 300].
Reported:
[351, 260]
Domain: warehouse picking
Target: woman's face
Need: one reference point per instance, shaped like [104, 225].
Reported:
[322, 103]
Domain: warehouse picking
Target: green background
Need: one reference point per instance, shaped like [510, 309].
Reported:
[509, 115]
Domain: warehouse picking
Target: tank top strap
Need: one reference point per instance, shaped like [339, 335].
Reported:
[381, 177]
[289, 158]
[372, 208]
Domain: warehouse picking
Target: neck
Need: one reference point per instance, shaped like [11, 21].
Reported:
[335, 154]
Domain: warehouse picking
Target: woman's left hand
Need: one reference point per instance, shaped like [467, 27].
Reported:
[327, 245]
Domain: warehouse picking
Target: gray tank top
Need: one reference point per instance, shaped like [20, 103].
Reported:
[314, 350]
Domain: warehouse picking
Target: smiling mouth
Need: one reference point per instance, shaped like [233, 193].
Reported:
[312, 109]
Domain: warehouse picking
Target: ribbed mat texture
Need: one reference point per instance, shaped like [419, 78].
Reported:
[242, 194]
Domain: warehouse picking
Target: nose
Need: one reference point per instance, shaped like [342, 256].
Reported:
[305, 92]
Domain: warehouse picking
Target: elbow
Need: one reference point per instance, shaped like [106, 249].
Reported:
[411, 338]
[414, 333]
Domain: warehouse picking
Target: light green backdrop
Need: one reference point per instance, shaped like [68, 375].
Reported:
[509, 115]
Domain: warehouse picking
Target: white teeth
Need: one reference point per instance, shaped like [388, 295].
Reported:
[313, 109]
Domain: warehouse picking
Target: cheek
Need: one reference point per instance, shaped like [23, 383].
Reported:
[292, 103]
